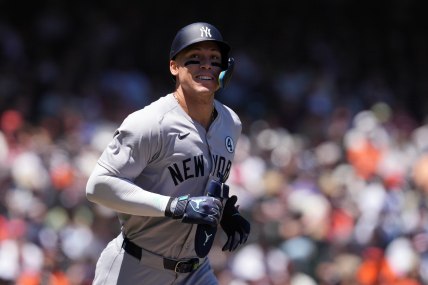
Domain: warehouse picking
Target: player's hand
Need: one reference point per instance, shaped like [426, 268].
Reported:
[195, 210]
[236, 227]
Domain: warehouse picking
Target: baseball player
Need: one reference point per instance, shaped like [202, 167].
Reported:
[156, 170]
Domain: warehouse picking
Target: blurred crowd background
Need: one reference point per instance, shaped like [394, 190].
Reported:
[331, 169]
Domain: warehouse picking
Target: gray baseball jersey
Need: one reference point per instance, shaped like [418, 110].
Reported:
[162, 150]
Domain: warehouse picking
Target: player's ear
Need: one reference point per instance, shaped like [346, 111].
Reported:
[173, 67]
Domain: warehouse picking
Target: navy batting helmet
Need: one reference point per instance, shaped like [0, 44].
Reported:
[199, 32]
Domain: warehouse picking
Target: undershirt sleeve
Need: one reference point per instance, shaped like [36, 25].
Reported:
[122, 195]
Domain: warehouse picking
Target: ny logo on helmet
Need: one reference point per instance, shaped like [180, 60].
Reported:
[205, 32]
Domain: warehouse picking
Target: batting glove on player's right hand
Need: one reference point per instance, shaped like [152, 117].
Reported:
[233, 225]
[195, 210]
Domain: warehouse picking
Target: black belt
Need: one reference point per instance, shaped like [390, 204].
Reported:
[179, 266]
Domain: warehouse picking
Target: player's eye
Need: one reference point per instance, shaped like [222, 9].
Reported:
[192, 59]
[216, 61]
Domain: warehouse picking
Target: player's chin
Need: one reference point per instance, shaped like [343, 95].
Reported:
[207, 85]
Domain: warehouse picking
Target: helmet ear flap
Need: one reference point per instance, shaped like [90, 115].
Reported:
[225, 75]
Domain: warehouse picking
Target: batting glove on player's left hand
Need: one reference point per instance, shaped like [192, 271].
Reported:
[195, 210]
[236, 227]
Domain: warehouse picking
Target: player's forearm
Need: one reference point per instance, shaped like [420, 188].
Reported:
[123, 196]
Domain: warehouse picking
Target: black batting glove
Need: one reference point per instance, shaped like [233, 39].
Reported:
[234, 225]
[195, 210]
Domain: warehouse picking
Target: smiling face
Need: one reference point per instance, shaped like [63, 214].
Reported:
[197, 68]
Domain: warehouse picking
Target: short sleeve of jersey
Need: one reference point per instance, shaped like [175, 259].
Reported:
[135, 143]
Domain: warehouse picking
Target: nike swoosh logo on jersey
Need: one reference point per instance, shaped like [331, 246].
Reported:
[182, 136]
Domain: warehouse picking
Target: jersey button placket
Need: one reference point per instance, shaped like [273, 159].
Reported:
[207, 140]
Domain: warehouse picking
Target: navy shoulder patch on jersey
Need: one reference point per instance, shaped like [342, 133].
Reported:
[230, 146]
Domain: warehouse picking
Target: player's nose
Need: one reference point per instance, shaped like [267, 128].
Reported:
[206, 63]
